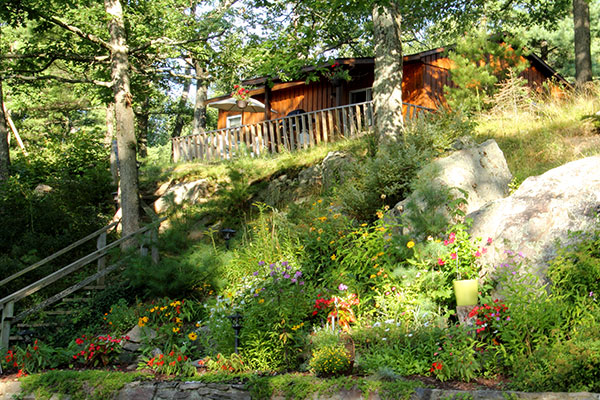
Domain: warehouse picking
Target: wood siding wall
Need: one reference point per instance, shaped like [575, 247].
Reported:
[423, 84]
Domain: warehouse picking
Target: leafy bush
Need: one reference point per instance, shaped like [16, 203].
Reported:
[456, 356]
[97, 350]
[331, 360]
[174, 362]
[33, 357]
[390, 345]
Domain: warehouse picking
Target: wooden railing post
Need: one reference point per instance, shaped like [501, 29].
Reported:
[7, 316]
[154, 252]
[101, 243]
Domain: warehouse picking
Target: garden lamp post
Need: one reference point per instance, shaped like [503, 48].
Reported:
[236, 323]
[227, 235]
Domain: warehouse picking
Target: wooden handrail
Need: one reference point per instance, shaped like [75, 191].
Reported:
[59, 253]
[74, 266]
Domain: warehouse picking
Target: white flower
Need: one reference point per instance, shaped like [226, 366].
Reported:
[376, 324]
[389, 321]
[387, 329]
[409, 335]
[383, 338]
[426, 323]
[398, 324]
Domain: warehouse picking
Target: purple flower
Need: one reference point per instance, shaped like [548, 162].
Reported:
[271, 266]
[298, 274]
[255, 273]
[284, 263]
[261, 263]
[255, 294]
[497, 318]
[272, 273]
[301, 282]
[508, 318]
[342, 287]
[591, 294]
[286, 276]
[293, 280]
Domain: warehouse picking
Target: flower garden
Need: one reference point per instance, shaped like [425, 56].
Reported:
[337, 297]
[335, 289]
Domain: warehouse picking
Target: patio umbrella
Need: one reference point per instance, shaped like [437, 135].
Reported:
[230, 104]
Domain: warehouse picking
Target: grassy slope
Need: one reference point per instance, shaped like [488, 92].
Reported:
[547, 136]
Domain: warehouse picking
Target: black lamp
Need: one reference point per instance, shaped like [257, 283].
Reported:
[227, 234]
[236, 323]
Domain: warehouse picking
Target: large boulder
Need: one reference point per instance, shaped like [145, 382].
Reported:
[543, 209]
[479, 171]
[178, 193]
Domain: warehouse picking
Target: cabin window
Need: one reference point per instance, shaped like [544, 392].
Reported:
[361, 95]
[234, 121]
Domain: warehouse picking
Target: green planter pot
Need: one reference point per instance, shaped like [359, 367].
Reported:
[466, 291]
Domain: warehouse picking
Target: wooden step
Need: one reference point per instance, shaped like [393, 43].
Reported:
[38, 325]
[94, 287]
[75, 299]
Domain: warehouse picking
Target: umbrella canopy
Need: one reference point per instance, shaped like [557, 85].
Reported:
[230, 104]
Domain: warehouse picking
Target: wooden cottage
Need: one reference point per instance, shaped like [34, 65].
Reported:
[300, 114]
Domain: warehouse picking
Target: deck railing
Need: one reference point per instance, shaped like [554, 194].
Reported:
[283, 134]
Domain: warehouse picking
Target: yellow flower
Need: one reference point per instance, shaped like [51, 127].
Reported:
[260, 301]
[322, 219]
[332, 242]
[372, 276]
[320, 201]
[333, 257]
[410, 244]
[336, 216]
[379, 214]
[175, 329]
[363, 224]
[320, 231]
[192, 336]
[380, 254]
[197, 324]
[178, 320]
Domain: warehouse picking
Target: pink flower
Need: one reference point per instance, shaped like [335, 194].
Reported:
[441, 262]
[477, 254]
[489, 240]
[453, 256]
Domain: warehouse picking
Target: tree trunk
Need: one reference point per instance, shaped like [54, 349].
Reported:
[179, 120]
[142, 117]
[124, 115]
[583, 54]
[387, 87]
[108, 142]
[199, 123]
[4, 148]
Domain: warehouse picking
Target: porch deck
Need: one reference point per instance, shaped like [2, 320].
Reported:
[283, 134]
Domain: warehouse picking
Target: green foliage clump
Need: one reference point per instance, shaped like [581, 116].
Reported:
[78, 385]
[385, 178]
[481, 62]
[331, 361]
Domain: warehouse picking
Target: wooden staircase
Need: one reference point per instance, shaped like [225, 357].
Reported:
[95, 281]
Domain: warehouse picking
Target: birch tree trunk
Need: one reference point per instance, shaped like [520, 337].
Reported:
[125, 119]
[179, 120]
[199, 123]
[108, 141]
[387, 87]
[4, 148]
[583, 53]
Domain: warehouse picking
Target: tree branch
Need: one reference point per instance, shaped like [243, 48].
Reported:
[29, 78]
[55, 56]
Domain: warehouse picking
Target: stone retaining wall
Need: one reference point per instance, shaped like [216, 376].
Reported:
[9, 390]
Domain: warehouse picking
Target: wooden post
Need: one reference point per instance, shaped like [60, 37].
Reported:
[154, 251]
[101, 243]
[7, 315]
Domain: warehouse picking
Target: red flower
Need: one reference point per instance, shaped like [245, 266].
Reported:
[79, 341]
[441, 262]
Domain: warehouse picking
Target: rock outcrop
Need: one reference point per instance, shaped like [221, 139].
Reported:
[480, 171]
[543, 209]
[178, 193]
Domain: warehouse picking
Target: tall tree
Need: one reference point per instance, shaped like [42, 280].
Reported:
[4, 149]
[387, 87]
[583, 52]
[125, 118]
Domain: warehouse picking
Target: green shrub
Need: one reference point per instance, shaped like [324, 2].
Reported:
[331, 360]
